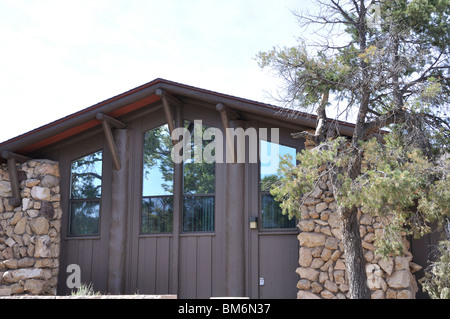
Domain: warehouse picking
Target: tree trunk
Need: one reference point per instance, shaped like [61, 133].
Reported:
[354, 255]
[351, 238]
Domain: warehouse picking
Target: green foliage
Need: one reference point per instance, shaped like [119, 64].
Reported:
[314, 73]
[86, 176]
[393, 74]
[85, 290]
[199, 176]
[400, 185]
[295, 181]
[437, 276]
[407, 55]
[157, 156]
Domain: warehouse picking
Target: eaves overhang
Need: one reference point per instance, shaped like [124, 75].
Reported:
[140, 97]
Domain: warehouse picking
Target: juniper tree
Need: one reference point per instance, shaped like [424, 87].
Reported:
[388, 62]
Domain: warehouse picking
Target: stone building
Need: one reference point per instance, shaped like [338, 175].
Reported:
[102, 189]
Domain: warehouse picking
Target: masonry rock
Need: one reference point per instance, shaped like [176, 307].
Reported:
[40, 226]
[322, 270]
[40, 193]
[5, 189]
[311, 239]
[30, 233]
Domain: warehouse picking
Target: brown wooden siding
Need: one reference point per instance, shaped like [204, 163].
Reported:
[196, 266]
[191, 265]
[90, 256]
[90, 252]
[152, 274]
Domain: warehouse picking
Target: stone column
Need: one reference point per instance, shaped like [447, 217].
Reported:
[30, 234]
[119, 216]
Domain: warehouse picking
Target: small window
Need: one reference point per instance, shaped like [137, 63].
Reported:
[157, 185]
[198, 186]
[85, 194]
[271, 215]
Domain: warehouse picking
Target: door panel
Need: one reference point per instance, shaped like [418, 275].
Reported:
[278, 260]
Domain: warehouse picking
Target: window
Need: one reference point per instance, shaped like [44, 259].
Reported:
[271, 215]
[157, 185]
[198, 185]
[85, 194]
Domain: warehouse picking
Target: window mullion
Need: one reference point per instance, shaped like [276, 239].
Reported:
[85, 194]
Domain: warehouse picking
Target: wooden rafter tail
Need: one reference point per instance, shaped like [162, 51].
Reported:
[18, 157]
[107, 122]
[163, 94]
[232, 115]
[12, 160]
[225, 115]
[114, 122]
[168, 101]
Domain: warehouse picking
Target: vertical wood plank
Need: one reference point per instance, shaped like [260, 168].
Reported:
[140, 267]
[150, 269]
[163, 265]
[204, 268]
[188, 267]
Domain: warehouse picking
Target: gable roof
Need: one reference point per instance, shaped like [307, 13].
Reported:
[140, 97]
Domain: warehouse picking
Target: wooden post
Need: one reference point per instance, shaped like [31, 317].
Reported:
[177, 213]
[12, 159]
[234, 223]
[167, 101]
[107, 121]
[118, 216]
[225, 115]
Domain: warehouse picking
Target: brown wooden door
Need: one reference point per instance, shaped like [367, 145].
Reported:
[278, 259]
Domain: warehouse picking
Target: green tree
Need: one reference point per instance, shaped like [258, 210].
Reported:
[86, 189]
[86, 177]
[437, 277]
[157, 148]
[387, 62]
[199, 177]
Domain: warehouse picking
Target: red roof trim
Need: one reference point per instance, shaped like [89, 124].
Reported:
[95, 106]
[89, 123]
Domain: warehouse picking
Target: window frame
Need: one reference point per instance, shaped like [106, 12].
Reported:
[178, 193]
[183, 231]
[142, 196]
[141, 220]
[85, 200]
[261, 193]
[184, 195]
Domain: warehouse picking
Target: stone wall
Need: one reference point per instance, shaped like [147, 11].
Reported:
[29, 234]
[321, 259]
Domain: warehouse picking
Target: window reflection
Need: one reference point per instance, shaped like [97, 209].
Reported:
[270, 155]
[157, 185]
[198, 185]
[85, 194]
[157, 214]
[158, 164]
[198, 214]
[84, 217]
[86, 176]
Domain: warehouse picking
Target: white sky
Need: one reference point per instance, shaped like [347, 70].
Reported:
[60, 56]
